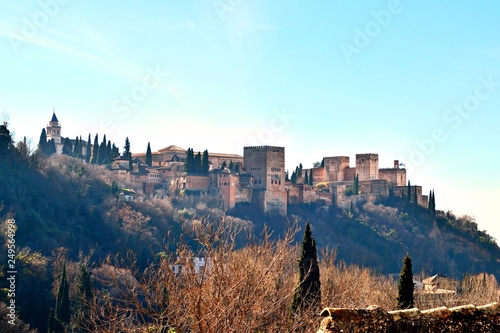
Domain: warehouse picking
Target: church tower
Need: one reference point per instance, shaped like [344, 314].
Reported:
[54, 132]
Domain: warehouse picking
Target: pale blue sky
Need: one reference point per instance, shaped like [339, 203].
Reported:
[321, 78]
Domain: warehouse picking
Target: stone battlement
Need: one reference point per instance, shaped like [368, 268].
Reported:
[466, 318]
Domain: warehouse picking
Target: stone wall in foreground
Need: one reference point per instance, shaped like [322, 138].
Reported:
[466, 318]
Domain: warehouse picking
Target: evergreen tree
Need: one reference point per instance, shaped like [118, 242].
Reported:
[127, 154]
[51, 147]
[190, 160]
[42, 143]
[204, 162]
[149, 156]
[405, 285]
[311, 178]
[102, 155]
[299, 173]
[237, 167]
[231, 165]
[62, 313]
[115, 152]
[415, 198]
[88, 153]
[308, 291]
[109, 152]
[306, 178]
[351, 208]
[323, 162]
[433, 203]
[223, 165]
[355, 187]
[197, 163]
[429, 203]
[409, 192]
[67, 147]
[51, 327]
[95, 150]
[6, 142]
[77, 148]
[293, 179]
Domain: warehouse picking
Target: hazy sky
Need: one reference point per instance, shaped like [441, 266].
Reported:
[417, 81]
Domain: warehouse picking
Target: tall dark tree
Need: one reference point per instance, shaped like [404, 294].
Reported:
[433, 211]
[293, 178]
[405, 285]
[51, 327]
[355, 187]
[115, 152]
[109, 152]
[149, 156]
[67, 147]
[311, 180]
[189, 160]
[102, 155]
[204, 162]
[127, 154]
[6, 142]
[51, 147]
[42, 143]
[88, 152]
[62, 313]
[231, 165]
[429, 202]
[299, 173]
[323, 162]
[306, 178]
[307, 293]
[95, 150]
[197, 163]
[409, 191]
[415, 197]
[77, 148]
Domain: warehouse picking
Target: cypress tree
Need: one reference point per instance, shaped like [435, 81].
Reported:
[323, 162]
[51, 147]
[405, 285]
[197, 163]
[311, 178]
[102, 154]
[62, 313]
[88, 152]
[95, 150]
[293, 179]
[415, 198]
[42, 143]
[51, 327]
[433, 203]
[231, 165]
[429, 203]
[409, 192]
[149, 156]
[306, 178]
[109, 152]
[308, 291]
[115, 152]
[127, 154]
[190, 160]
[6, 142]
[299, 174]
[204, 162]
[77, 148]
[67, 147]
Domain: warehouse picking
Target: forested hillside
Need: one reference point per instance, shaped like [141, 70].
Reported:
[67, 210]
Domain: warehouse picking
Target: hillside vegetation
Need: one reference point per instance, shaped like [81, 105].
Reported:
[69, 211]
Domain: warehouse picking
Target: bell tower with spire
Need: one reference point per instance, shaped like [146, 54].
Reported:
[54, 132]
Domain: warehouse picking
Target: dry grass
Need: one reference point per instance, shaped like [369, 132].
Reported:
[245, 290]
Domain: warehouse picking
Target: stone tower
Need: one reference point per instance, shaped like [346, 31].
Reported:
[367, 166]
[54, 132]
[267, 165]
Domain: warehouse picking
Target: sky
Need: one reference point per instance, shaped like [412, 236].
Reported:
[416, 81]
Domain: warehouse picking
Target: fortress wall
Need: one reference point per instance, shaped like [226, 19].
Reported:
[466, 318]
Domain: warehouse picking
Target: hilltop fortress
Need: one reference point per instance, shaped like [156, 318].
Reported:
[259, 177]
